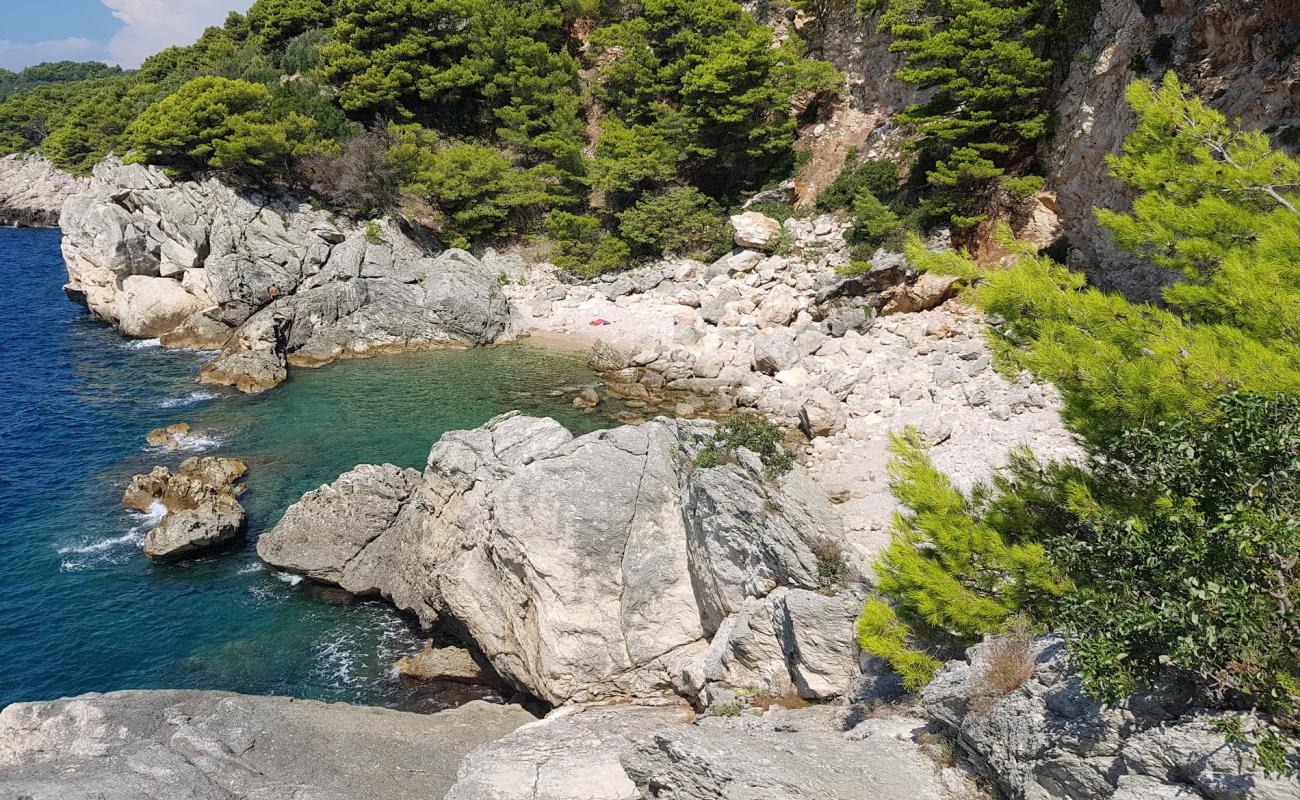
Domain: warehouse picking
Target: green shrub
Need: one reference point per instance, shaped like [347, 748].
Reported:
[581, 245]
[753, 433]
[680, 220]
[1182, 542]
[878, 178]
[727, 708]
[873, 221]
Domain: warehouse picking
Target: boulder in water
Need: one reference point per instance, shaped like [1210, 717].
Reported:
[201, 502]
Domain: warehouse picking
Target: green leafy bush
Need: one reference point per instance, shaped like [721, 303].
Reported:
[877, 178]
[873, 221]
[752, 433]
[680, 220]
[1182, 541]
[581, 244]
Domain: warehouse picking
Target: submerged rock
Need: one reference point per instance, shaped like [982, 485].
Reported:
[201, 503]
[194, 745]
[588, 568]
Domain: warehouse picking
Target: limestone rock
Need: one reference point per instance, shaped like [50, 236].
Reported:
[149, 307]
[754, 230]
[816, 632]
[32, 191]
[195, 745]
[271, 280]
[573, 753]
[530, 542]
[774, 352]
[1048, 739]
[929, 291]
[788, 755]
[200, 499]
[444, 664]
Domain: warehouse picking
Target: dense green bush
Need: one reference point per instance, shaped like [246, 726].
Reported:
[1182, 542]
[752, 433]
[877, 177]
[680, 220]
[580, 243]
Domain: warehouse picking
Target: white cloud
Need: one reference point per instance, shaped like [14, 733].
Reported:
[16, 55]
[151, 25]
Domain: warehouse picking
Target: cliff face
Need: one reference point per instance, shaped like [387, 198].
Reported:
[271, 281]
[1241, 56]
[32, 191]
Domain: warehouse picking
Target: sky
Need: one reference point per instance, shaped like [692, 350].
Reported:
[119, 32]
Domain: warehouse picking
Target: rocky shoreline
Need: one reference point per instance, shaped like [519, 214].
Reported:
[690, 623]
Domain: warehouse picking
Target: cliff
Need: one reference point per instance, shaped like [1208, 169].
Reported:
[32, 191]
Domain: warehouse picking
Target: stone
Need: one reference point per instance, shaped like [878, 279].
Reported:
[200, 501]
[572, 754]
[779, 306]
[755, 231]
[454, 664]
[788, 755]
[171, 437]
[816, 633]
[196, 745]
[1047, 739]
[149, 307]
[517, 532]
[774, 352]
[929, 291]
[276, 282]
[32, 191]
[587, 398]
[845, 320]
[607, 357]
[713, 311]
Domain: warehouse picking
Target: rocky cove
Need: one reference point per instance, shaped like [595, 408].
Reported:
[638, 596]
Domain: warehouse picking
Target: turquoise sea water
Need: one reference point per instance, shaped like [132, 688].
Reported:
[82, 609]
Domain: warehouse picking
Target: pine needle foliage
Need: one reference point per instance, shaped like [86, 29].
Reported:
[957, 567]
[1218, 205]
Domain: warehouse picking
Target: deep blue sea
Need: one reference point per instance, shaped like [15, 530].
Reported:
[82, 609]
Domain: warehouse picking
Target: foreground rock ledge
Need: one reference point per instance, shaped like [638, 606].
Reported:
[602, 567]
[194, 745]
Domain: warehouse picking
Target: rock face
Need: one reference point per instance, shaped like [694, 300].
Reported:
[573, 753]
[1238, 56]
[192, 745]
[589, 568]
[32, 191]
[812, 754]
[201, 500]
[1047, 739]
[270, 281]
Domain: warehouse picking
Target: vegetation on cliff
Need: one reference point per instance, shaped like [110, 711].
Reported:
[1173, 548]
[481, 117]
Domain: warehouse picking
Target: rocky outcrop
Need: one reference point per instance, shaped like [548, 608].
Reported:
[1239, 56]
[821, 753]
[193, 745]
[270, 281]
[606, 566]
[1047, 739]
[201, 504]
[32, 191]
[573, 753]
[455, 664]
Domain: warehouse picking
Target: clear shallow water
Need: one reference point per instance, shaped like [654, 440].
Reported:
[82, 609]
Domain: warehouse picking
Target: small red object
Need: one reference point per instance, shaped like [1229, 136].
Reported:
[595, 322]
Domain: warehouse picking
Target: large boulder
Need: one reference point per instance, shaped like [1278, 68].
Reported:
[194, 745]
[754, 230]
[271, 281]
[1045, 738]
[808, 754]
[588, 568]
[574, 753]
[149, 307]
